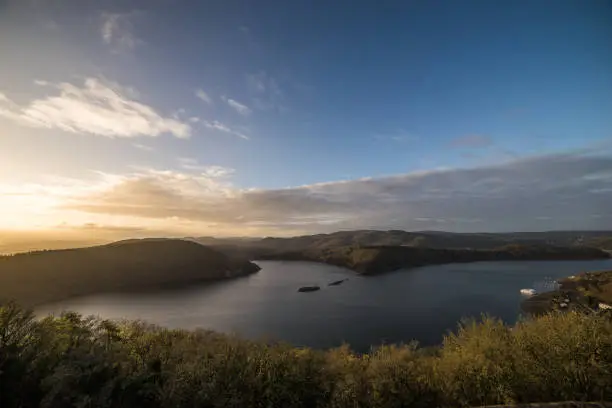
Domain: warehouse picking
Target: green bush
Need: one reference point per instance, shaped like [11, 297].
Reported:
[72, 361]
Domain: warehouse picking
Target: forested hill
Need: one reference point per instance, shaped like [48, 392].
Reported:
[379, 259]
[43, 276]
[420, 239]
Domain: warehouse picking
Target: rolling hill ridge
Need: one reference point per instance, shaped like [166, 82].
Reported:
[45, 276]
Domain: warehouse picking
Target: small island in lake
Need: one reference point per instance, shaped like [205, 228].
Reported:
[336, 283]
[309, 288]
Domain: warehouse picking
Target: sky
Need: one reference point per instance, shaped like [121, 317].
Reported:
[240, 118]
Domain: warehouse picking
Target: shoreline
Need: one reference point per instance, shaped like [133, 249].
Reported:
[580, 293]
[374, 260]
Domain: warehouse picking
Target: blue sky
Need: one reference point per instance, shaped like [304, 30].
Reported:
[293, 94]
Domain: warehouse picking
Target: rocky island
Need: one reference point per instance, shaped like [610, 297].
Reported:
[371, 260]
[337, 282]
[309, 288]
[45, 276]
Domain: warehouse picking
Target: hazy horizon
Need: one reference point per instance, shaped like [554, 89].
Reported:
[12, 242]
[138, 118]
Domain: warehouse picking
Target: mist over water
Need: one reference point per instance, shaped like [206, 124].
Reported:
[421, 304]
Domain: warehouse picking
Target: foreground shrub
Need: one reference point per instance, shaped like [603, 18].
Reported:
[70, 361]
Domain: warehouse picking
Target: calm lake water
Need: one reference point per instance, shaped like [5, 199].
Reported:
[421, 304]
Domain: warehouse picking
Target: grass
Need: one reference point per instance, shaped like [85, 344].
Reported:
[71, 360]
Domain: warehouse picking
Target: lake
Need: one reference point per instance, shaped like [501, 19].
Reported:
[421, 304]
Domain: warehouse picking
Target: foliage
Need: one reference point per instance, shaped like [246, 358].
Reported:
[86, 362]
[595, 285]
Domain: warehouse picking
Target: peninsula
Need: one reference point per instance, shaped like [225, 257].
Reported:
[372, 260]
[45, 276]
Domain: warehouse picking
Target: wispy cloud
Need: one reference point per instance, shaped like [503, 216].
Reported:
[143, 147]
[200, 94]
[216, 125]
[472, 141]
[237, 106]
[8, 108]
[264, 83]
[213, 171]
[98, 107]
[512, 196]
[117, 30]
[399, 135]
[92, 226]
[266, 92]
[257, 82]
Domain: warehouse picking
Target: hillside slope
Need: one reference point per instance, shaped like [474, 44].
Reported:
[379, 259]
[604, 242]
[253, 248]
[38, 277]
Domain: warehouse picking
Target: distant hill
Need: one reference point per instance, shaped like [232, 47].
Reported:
[253, 248]
[373, 260]
[604, 242]
[44, 276]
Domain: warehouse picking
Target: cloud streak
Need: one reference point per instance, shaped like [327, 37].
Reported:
[203, 96]
[216, 125]
[143, 147]
[237, 106]
[98, 108]
[266, 92]
[261, 82]
[116, 30]
[399, 135]
[549, 192]
[212, 171]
